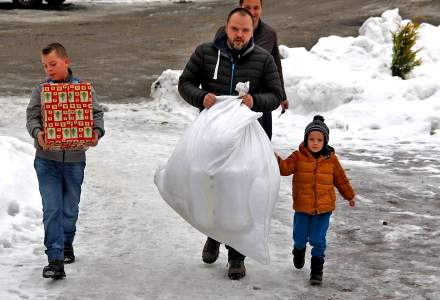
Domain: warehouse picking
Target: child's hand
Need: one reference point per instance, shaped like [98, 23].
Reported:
[95, 141]
[351, 203]
[41, 142]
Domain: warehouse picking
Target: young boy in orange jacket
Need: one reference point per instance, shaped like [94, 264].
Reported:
[316, 172]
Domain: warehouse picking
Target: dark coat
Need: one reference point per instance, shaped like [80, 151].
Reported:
[266, 37]
[255, 65]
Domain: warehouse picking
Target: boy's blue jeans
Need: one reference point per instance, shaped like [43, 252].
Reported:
[312, 229]
[60, 189]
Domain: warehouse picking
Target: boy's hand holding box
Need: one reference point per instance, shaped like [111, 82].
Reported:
[67, 111]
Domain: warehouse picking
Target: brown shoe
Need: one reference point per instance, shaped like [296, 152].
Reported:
[210, 251]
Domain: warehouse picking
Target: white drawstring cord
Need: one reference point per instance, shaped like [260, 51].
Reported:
[216, 66]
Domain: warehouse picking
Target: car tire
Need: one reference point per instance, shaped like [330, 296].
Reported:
[28, 3]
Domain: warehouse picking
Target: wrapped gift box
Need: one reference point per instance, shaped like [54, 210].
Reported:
[67, 110]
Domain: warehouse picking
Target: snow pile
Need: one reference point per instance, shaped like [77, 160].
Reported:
[20, 204]
[379, 29]
[348, 80]
[165, 94]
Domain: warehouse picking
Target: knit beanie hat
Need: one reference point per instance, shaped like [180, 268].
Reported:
[317, 125]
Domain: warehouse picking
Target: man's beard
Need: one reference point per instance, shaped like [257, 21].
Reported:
[235, 46]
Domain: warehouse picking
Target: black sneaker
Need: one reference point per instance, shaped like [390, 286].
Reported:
[69, 256]
[316, 267]
[298, 257]
[236, 270]
[210, 251]
[55, 269]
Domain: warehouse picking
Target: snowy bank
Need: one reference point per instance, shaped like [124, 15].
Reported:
[348, 80]
[20, 204]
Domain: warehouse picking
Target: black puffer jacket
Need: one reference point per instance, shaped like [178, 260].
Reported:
[212, 67]
[266, 37]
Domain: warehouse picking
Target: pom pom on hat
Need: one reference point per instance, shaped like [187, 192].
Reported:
[318, 118]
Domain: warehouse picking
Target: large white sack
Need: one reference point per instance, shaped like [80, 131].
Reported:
[223, 177]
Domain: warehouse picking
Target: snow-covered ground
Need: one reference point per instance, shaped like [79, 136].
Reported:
[131, 245]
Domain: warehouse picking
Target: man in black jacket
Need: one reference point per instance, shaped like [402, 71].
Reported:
[214, 69]
[265, 37]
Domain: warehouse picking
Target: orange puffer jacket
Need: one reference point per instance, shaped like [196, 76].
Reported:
[314, 181]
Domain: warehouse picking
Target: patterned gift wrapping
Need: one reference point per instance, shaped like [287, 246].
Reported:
[67, 111]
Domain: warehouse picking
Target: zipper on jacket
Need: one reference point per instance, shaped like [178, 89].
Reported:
[315, 189]
[232, 78]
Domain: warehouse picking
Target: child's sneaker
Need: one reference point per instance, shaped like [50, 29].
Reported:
[69, 256]
[298, 257]
[55, 269]
[316, 267]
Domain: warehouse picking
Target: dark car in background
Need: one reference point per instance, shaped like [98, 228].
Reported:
[35, 3]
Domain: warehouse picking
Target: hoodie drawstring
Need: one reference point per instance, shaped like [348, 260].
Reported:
[216, 66]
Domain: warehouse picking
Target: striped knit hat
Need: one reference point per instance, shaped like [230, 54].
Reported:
[317, 125]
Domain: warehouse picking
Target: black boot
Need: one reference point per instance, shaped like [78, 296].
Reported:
[236, 269]
[210, 251]
[316, 267]
[55, 269]
[298, 257]
[69, 256]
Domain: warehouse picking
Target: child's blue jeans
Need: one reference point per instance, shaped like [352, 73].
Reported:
[60, 189]
[312, 229]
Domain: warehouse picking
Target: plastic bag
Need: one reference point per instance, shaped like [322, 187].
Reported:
[223, 177]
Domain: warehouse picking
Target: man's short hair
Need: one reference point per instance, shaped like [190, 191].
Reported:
[241, 2]
[57, 47]
[242, 12]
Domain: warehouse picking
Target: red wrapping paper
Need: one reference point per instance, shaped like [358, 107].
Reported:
[67, 110]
